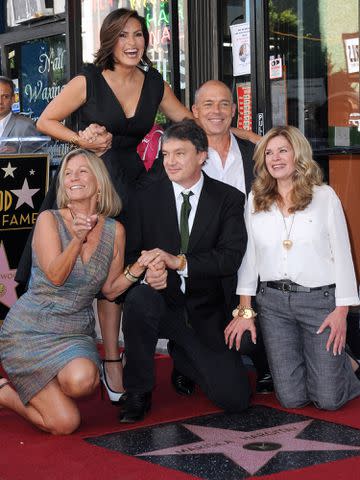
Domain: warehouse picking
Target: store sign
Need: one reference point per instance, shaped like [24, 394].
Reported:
[244, 105]
[275, 66]
[24, 182]
[43, 73]
[352, 54]
[240, 39]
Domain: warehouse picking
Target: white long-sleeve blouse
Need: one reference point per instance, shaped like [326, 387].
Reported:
[320, 253]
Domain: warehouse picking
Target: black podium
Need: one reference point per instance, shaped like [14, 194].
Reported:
[24, 180]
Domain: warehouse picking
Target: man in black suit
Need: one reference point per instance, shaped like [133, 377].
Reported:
[230, 160]
[195, 226]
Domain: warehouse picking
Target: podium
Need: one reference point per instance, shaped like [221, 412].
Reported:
[24, 181]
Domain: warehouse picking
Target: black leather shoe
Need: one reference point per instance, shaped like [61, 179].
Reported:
[183, 385]
[265, 384]
[135, 407]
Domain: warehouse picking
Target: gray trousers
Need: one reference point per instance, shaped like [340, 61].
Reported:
[303, 371]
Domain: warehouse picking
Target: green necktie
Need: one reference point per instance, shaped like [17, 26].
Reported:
[184, 221]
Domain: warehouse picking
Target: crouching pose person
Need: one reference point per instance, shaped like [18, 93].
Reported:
[195, 227]
[299, 247]
[47, 345]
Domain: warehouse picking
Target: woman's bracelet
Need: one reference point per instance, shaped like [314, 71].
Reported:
[130, 276]
[244, 311]
[74, 140]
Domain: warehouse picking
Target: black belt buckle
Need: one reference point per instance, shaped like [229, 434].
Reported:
[286, 287]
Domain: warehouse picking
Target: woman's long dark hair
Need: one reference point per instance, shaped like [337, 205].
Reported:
[113, 24]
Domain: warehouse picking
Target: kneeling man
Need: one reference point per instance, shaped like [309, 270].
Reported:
[195, 226]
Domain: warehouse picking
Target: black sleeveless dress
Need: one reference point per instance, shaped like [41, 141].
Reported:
[102, 107]
[124, 164]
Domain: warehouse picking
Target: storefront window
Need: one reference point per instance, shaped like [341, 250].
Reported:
[25, 11]
[314, 69]
[38, 69]
[157, 16]
[236, 57]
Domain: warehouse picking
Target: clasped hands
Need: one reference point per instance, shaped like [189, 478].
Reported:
[157, 263]
[98, 137]
[82, 224]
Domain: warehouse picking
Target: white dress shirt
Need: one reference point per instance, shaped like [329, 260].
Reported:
[232, 172]
[3, 123]
[320, 254]
[194, 200]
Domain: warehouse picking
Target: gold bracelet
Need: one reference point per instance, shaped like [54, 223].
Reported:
[130, 276]
[243, 311]
[74, 140]
[182, 259]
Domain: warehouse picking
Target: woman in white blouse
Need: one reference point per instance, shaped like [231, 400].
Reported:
[298, 246]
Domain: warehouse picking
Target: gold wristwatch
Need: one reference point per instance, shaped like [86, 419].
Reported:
[245, 312]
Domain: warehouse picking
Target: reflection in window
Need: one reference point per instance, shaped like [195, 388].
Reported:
[317, 44]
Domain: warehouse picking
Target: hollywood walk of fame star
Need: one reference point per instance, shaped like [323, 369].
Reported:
[244, 447]
[9, 170]
[25, 194]
[8, 285]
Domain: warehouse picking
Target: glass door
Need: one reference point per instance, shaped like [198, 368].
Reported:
[313, 55]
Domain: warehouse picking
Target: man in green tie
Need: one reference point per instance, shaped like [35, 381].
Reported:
[195, 227]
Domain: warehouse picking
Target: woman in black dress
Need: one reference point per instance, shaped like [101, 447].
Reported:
[120, 92]
[118, 96]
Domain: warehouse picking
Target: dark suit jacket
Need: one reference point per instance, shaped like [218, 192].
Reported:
[247, 153]
[216, 246]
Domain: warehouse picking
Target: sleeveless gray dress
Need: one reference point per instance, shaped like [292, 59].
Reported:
[51, 325]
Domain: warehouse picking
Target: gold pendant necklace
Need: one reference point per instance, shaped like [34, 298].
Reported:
[287, 243]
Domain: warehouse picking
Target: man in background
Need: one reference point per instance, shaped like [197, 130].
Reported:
[12, 124]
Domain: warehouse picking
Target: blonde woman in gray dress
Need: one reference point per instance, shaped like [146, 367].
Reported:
[47, 341]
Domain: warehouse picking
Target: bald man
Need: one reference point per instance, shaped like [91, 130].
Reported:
[230, 157]
[230, 160]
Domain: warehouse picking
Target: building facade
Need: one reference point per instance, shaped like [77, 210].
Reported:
[287, 62]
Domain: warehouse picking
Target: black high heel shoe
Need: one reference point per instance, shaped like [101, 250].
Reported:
[115, 397]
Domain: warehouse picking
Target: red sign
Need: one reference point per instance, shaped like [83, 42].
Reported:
[243, 92]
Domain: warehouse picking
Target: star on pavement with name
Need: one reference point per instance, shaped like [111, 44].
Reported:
[8, 294]
[25, 194]
[244, 448]
[9, 170]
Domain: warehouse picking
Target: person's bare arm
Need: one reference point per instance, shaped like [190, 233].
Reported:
[246, 135]
[68, 101]
[116, 282]
[172, 107]
[56, 263]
